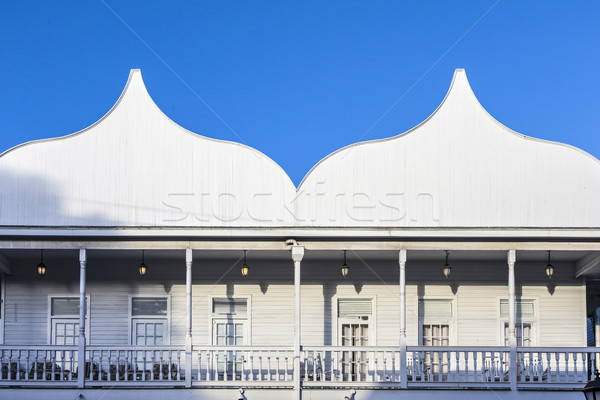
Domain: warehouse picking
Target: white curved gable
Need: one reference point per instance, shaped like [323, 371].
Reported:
[135, 167]
[459, 168]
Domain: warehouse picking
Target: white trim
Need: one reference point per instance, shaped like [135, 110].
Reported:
[145, 317]
[88, 315]
[336, 320]
[584, 311]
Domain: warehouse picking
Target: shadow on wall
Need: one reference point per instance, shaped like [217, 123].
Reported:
[35, 200]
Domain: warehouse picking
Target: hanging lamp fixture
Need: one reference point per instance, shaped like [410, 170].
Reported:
[345, 268]
[245, 267]
[549, 267]
[142, 268]
[41, 268]
[447, 269]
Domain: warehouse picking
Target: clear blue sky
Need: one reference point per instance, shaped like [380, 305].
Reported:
[299, 80]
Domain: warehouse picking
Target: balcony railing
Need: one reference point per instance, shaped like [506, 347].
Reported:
[320, 366]
[229, 366]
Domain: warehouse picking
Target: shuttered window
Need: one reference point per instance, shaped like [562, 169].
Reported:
[525, 309]
[64, 306]
[435, 309]
[230, 306]
[354, 308]
[149, 306]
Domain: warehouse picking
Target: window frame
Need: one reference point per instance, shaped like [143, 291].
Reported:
[214, 318]
[534, 321]
[148, 318]
[452, 322]
[50, 317]
[337, 321]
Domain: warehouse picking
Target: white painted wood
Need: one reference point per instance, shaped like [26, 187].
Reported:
[512, 338]
[136, 167]
[402, 256]
[189, 315]
[479, 286]
[297, 255]
[82, 309]
[459, 168]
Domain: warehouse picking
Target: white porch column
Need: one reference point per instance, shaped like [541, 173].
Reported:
[297, 255]
[597, 337]
[188, 321]
[512, 333]
[82, 308]
[402, 263]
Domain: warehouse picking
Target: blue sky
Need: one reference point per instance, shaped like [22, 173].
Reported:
[299, 80]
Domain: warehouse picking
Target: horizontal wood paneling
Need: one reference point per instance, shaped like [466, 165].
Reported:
[475, 287]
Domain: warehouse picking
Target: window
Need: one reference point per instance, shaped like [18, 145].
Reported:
[230, 328]
[149, 321]
[354, 316]
[436, 320]
[524, 321]
[63, 322]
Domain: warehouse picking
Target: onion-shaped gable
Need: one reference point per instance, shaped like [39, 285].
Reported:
[135, 167]
[459, 168]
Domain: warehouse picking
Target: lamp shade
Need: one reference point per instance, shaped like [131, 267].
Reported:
[447, 269]
[41, 269]
[345, 268]
[142, 269]
[245, 268]
[592, 388]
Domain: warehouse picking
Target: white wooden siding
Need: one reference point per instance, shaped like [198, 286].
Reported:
[459, 168]
[476, 288]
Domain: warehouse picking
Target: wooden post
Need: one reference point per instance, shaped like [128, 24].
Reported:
[297, 255]
[512, 332]
[82, 308]
[188, 321]
[402, 264]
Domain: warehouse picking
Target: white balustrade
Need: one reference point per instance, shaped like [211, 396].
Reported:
[331, 364]
[462, 366]
[134, 364]
[38, 363]
[552, 366]
[320, 366]
[228, 365]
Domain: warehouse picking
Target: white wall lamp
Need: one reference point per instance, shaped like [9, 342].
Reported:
[142, 268]
[549, 267]
[41, 268]
[345, 268]
[245, 268]
[447, 269]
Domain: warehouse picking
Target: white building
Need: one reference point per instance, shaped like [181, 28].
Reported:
[459, 189]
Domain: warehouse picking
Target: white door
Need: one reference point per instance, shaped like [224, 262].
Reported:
[354, 363]
[149, 332]
[65, 331]
[354, 317]
[228, 362]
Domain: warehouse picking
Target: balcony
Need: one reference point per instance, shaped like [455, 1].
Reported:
[320, 367]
